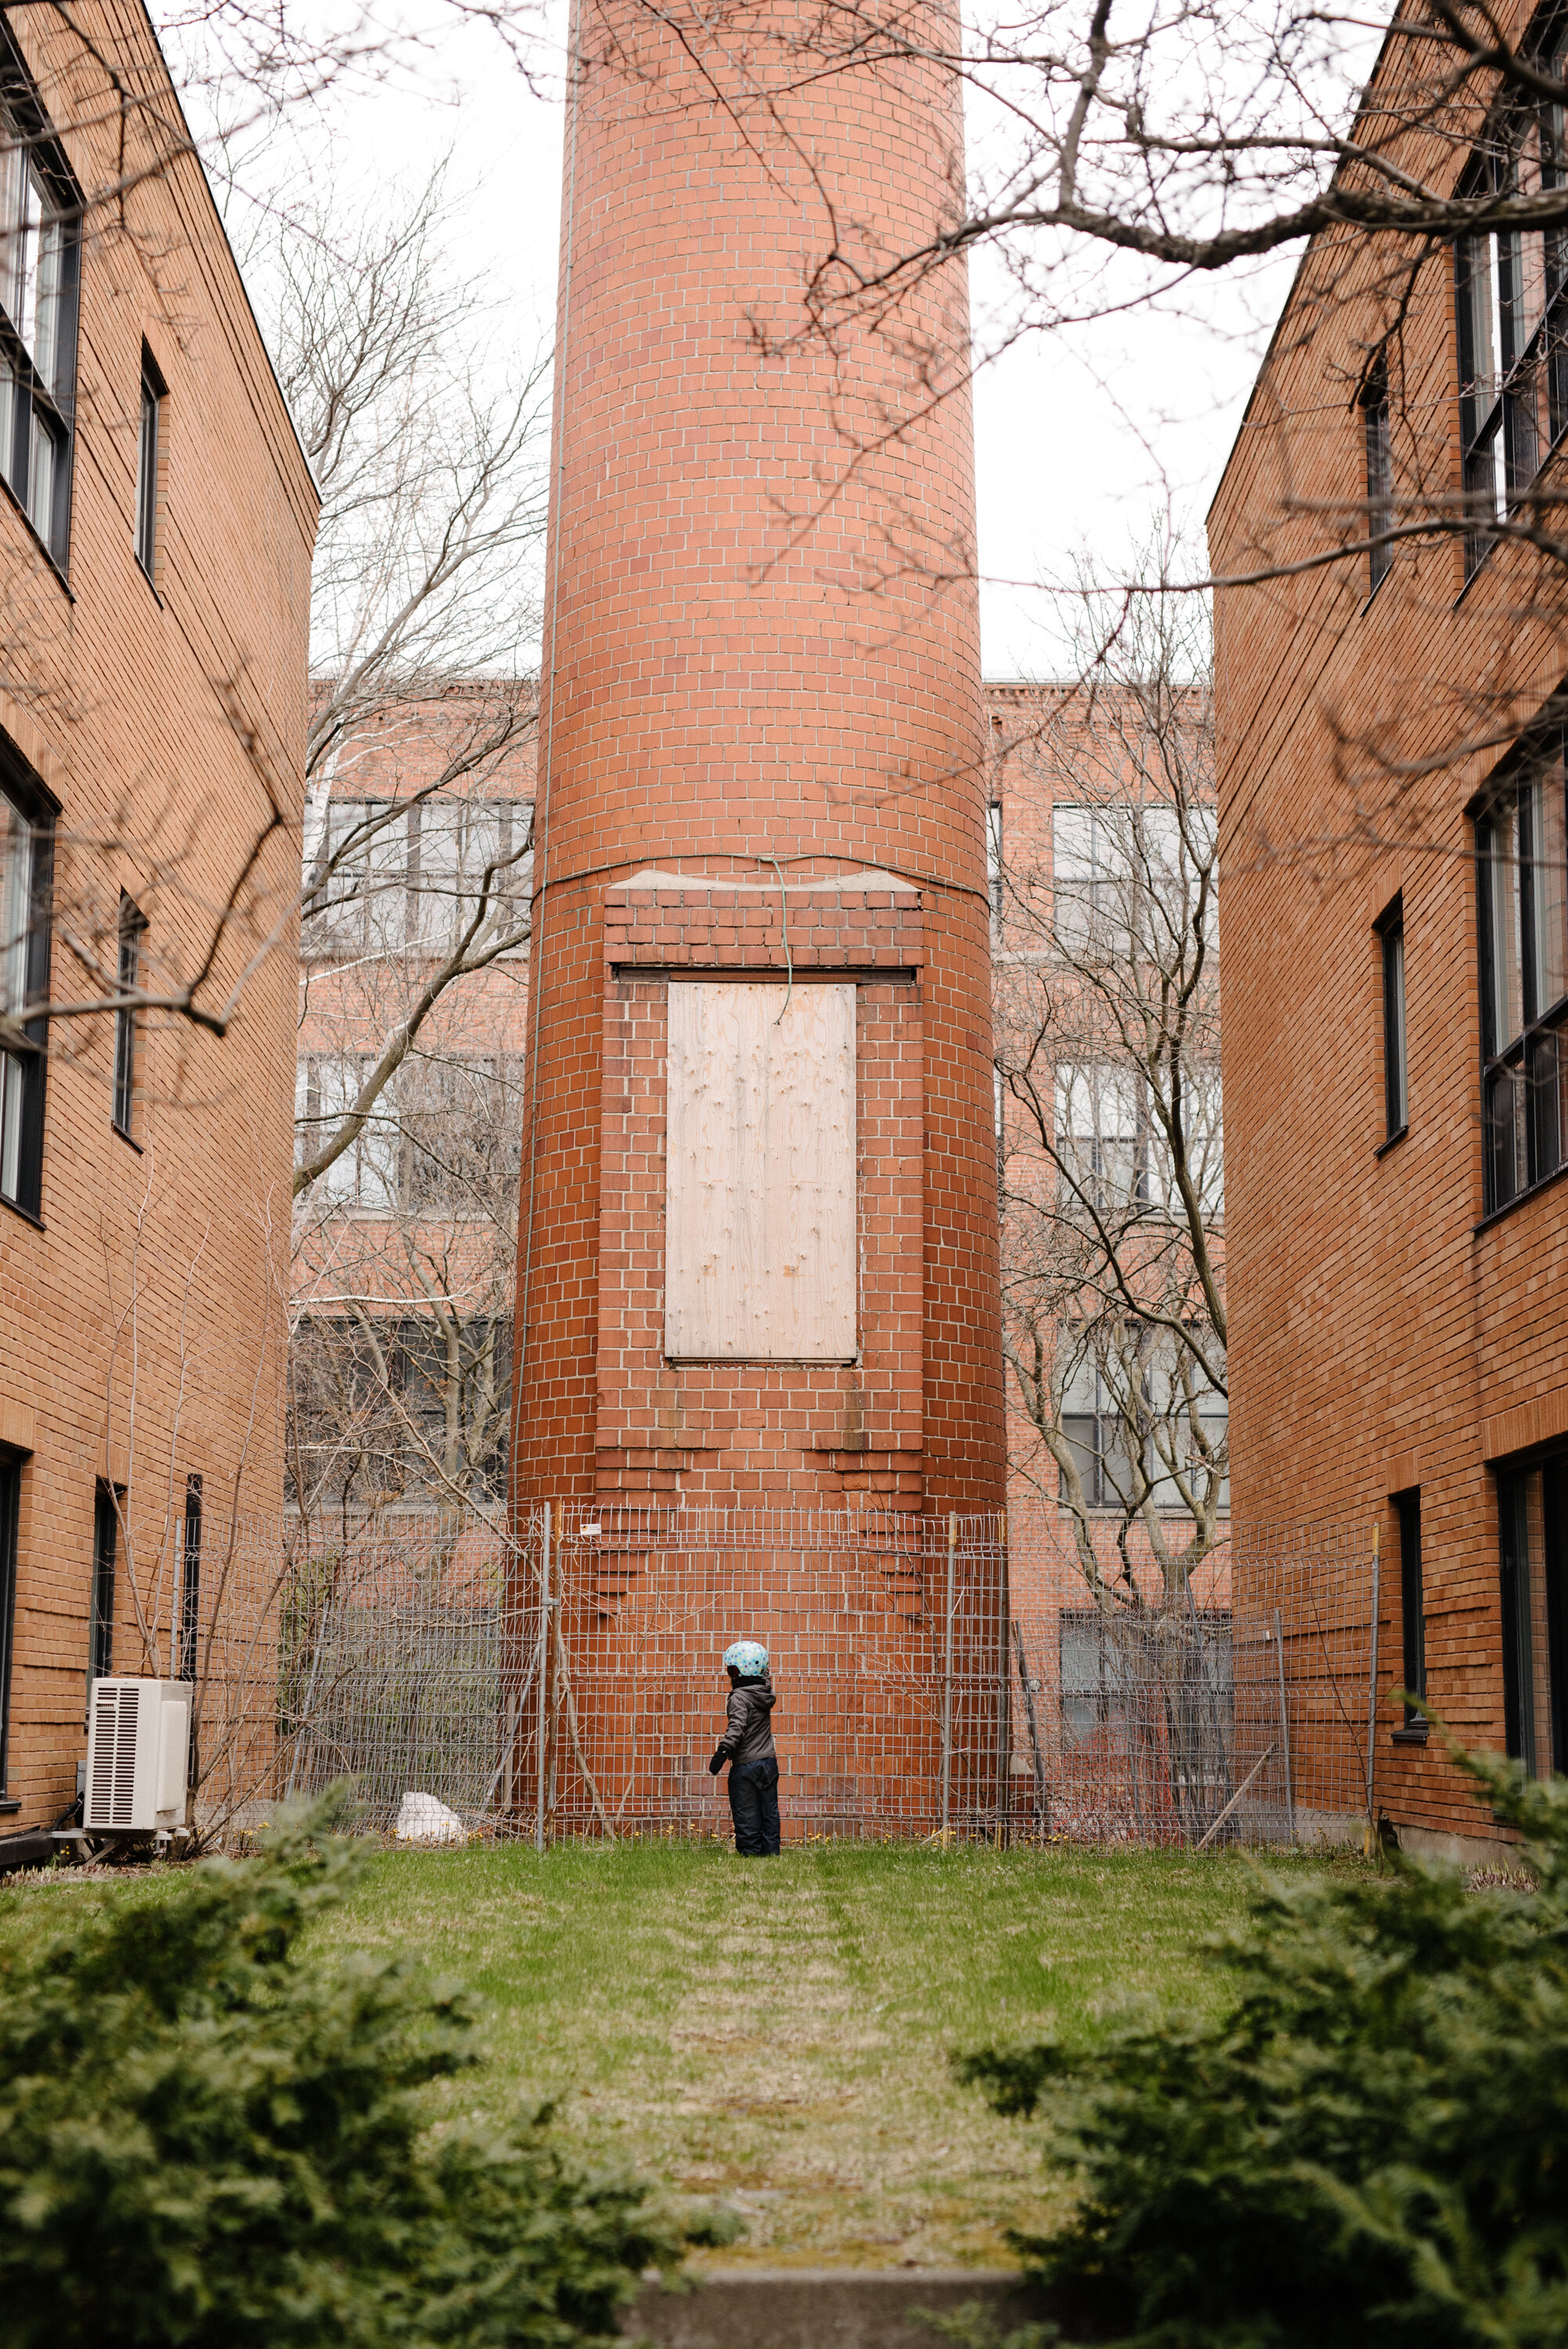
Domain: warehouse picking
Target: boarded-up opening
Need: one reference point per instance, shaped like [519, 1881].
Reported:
[760, 1227]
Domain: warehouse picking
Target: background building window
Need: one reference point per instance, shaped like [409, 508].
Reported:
[40, 207]
[126, 1020]
[106, 1527]
[26, 846]
[1102, 1137]
[1095, 1430]
[10, 1510]
[1396, 1082]
[1412, 1604]
[148, 453]
[994, 857]
[1523, 939]
[1379, 466]
[190, 1579]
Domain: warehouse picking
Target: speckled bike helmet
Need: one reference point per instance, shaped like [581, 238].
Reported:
[748, 1657]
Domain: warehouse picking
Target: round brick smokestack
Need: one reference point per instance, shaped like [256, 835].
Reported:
[761, 754]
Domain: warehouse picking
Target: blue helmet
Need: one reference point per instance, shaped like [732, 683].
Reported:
[748, 1657]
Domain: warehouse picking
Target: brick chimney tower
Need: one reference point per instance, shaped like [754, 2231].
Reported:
[758, 1254]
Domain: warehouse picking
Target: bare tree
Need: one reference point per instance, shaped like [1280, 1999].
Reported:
[1109, 1148]
[400, 1365]
[1107, 1022]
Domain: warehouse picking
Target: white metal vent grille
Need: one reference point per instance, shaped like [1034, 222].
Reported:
[111, 1799]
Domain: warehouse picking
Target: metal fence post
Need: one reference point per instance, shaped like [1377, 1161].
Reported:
[947, 1687]
[543, 1681]
[1285, 1725]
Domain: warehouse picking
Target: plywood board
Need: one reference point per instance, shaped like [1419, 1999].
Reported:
[759, 1223]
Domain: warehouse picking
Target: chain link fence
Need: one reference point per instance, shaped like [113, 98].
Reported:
[930, 1682]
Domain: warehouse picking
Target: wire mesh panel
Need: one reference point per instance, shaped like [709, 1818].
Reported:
[569, 1680]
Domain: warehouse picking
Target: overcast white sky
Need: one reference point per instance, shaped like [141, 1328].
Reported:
[1081, 439]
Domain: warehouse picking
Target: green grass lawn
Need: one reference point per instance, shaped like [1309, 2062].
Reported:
[776, 2036]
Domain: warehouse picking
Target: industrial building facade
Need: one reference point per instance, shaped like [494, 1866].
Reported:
[1395, 965]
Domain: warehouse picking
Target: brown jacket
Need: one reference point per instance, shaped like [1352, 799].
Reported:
[748, 1726]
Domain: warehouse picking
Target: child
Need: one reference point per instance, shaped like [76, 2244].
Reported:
[748, 1746]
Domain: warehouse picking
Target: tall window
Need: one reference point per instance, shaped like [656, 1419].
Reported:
[1396, 1082]
[1097, 1435]
[1523, 926]
[147, 454]
[1379, 466]
[1412, 1605]
[100, 1646]
[1102, 1137]
[126, 1020]
[40, 212]
[1512, 321]
[190, 1579]
[26, 847]
[1532, 1528]
[994, 857]
[10, 1507]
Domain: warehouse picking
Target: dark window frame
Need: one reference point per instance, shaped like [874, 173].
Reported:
[994, 837]
[29, 1070]
[189, 1581]
[132, 930]
[100, 1620]
[1513, 396]
[1524, 1128]
[1412, 1613]
[1377, 436]
[1390, 928]
[10, 1466]
[149, 460]
[39, 406]
[1524, 1675]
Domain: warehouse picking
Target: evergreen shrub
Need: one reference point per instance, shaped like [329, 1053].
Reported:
[208, 2137]
[1370, 2147]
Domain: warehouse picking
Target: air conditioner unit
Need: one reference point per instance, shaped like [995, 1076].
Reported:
[138, 1738]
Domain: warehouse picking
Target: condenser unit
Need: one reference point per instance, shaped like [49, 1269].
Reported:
[139, 1737]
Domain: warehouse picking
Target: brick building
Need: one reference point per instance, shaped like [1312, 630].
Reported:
[156, 529]
[1392, 828]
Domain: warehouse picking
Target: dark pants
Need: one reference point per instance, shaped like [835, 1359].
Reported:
[754, 1806]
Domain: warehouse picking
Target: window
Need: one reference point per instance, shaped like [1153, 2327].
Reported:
[40, 212]
[105, 1522]
[26, 855]
[413, 876]
[994, 857]
[1089, 874]
[1523, 958]
[1095, 1432]
[10, 1510]
[127, 1018]
[1532, 1529]
[148, 455]
[1101, 1139]
[1396, 1085]
[760, 1219]
[190, 1579]
[1379, 466]
[1512, 320]
[1189, 1421]
[1412, 1606]
[1104, 1661]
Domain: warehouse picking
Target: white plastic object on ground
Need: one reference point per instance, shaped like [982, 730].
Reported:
[422, 1820]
